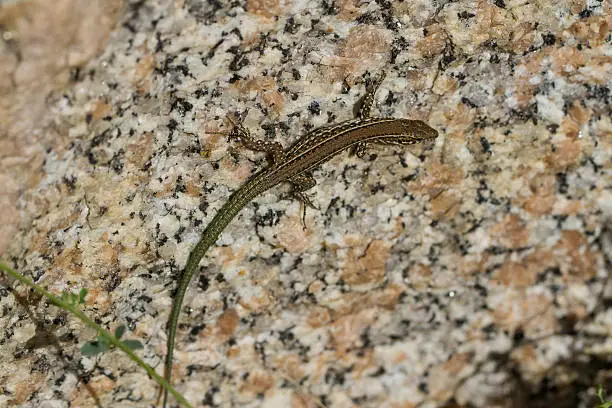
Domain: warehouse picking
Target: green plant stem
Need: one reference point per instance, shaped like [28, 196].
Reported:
[101, 331]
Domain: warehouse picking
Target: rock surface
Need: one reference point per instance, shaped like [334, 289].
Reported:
[472, 272]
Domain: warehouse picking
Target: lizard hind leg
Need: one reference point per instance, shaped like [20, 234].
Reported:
[359, 150]
[301, 183]
[368, 98]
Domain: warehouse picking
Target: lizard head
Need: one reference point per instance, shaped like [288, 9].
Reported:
[417, 130]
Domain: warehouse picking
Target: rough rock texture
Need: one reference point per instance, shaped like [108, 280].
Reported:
[473, 272]
[43, 46]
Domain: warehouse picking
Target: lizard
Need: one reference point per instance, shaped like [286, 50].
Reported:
[294, 165]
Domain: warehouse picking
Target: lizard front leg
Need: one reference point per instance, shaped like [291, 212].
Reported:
[242, 135]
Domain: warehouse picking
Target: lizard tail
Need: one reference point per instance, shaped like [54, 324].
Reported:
[232, 207]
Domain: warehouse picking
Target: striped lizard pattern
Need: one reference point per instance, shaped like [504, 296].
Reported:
[294, 165]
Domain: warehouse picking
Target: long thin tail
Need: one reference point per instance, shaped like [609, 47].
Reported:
[192, 264]
[232, 207]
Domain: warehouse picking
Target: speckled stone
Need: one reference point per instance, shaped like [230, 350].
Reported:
[470, 272]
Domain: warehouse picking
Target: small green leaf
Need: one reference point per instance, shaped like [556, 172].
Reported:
[119, 331]
[74, 299]
[92, 348]
[133, 344]
[82, 294]
[601, 394]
